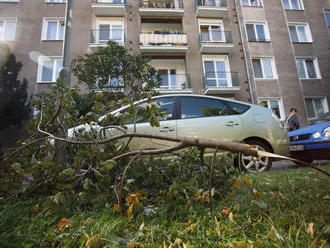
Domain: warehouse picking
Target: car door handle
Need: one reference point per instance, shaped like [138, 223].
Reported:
[166, 130]
[231, 124]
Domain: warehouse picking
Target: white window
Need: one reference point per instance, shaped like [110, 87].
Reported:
[308, 68]
[53, 29]
[274, 104]
[327, 17]
[7, 29]
[300, 32]
[257, 31]
[216, 71]
[253, 3]
[211, 31]
[264, 68]
[9, 1]
[109, 30]
[315, 106]
[48, 69]
[55, 1]
[293, 4]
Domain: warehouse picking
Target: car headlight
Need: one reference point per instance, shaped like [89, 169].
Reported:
[326, 132]
[316, 135]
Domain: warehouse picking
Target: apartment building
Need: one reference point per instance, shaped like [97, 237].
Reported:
[272, 52]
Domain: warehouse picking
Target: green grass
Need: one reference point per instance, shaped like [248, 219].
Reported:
[287, 208]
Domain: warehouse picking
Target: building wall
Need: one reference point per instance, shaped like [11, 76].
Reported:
[28, 45]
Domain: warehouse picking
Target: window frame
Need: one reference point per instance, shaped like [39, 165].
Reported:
[111, 22]
[210, 23]
[41, 60]
[307, 31]
[56, 1]
[280, 104]
[273, 66]
[324, 104]
[254, 23]
[223, 58]
[261, 4]
[4, 21]
[316, 68]
[59, 21]
[300, 2]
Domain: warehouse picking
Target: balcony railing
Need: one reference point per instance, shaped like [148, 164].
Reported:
[163, 4]
[102, 36]
[216, 37]
[221, 79]
[175, 82]
[211, 3]
[110, 1]
[163, 39]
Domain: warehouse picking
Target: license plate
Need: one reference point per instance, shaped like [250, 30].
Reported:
[297, 148]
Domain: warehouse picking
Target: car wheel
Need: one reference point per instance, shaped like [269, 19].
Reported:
[254, 164]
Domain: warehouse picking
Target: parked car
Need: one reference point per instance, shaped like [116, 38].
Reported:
[312, 142]
[209, 118]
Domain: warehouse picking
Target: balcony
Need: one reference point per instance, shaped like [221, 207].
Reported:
[109, 7]
[163, 42]
[161, 8]
[100, 37]
[221, 83]
[175, 83]
[216, 42]
[211, 8]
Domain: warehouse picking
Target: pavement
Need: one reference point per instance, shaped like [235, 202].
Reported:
[287, 164]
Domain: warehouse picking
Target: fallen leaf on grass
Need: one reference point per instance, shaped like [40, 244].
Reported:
[225, 211]
[63, 224]
[310, 229]
[255, 192]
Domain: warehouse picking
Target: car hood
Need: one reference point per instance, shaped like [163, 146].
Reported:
[310, 129]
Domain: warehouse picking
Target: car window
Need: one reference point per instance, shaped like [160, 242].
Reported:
[238, 107]
[194, 107]
[165, 105]
[325, 117]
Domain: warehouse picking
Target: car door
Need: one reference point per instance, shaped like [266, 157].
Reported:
[208, 118]
[167, 125]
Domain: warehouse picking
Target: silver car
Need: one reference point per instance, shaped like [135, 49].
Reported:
[211, 118]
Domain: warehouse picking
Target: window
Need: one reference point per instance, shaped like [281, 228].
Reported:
[9, 1]
[48, 69]
[327, 17]
[257, 32]
[192, 107]
[293, 4]
[300, 33]
[253, 3]
[315, 107]
[7, 29]
[211, 31]
[53, 29]
[264, 68]
[109, 30]
[274, 104]
[307, 68]
[55, 1]
[217, 72]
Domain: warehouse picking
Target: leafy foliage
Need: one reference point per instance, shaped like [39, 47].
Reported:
[13, 94]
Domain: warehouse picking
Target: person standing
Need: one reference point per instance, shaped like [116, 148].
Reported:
[292, 122]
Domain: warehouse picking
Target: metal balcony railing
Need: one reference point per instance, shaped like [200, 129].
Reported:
[175, 81]
[110, 1]
[102, 36]
[221, 79]
[163, 39]
[216, 36]
[164, 4]
[211, 3]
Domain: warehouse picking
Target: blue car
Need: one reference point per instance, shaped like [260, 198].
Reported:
[312, 142]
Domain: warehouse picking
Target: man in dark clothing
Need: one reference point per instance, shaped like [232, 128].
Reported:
[292, 122]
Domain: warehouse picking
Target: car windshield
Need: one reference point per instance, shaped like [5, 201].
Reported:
[323, 118]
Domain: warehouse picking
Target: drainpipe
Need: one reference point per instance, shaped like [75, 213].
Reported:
[244, 52]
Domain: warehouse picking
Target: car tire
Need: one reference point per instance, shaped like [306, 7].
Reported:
[247, 163]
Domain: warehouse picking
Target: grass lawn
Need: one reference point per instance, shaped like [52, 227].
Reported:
[284, 208]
